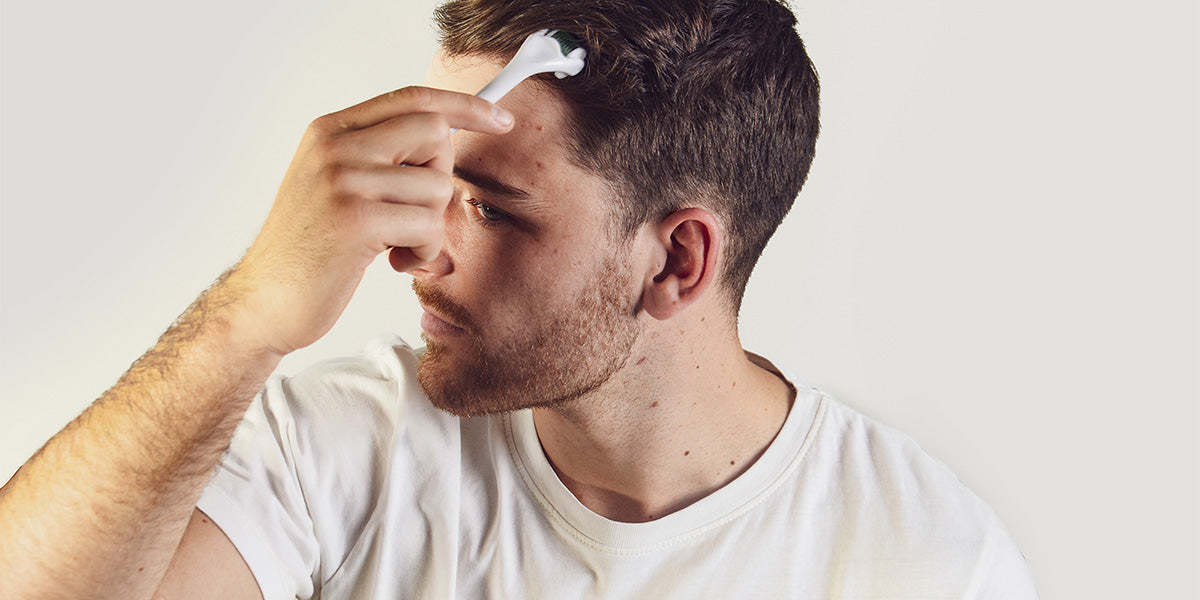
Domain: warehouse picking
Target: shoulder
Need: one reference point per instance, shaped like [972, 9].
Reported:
[897, 506]
[880, 462]
[857, 460]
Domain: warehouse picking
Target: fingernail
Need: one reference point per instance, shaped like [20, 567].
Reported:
[501, 116]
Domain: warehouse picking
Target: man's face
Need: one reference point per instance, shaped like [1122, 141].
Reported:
[532, 301]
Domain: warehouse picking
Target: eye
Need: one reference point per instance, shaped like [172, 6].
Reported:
[487, 213]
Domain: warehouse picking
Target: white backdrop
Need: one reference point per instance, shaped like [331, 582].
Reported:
[996, 251]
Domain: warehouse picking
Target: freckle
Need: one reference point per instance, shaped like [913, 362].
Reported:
[203, 520]
[654, 404]
[687, 452]
[640, 361]
[140, 569]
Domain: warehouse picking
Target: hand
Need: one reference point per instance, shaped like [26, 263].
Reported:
[373, 177]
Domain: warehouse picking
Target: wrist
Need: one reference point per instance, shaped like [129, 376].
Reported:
[239, 315]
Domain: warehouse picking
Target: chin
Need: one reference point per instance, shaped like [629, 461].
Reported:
[472, 390]
[566, 351]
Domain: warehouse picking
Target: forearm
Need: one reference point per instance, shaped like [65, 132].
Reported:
[100, 509]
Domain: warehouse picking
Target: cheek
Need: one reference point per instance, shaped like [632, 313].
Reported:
[528, 286]
[496, 272]
[512, 276]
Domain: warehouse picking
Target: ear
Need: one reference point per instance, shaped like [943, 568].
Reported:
[687, 243]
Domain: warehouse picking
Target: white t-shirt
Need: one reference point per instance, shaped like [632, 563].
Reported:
[345, 482]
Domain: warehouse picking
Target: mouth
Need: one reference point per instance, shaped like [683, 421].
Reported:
[435, 325]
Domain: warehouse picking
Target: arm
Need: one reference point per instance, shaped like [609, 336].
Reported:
[101, 509]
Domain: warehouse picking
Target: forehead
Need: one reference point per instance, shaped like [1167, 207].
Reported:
[461, 73]
[533, 156]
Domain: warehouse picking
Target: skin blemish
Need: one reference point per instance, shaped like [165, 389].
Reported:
[654, 404]
[687, 452]
[731, 463]
[640, 361]
[140, 569]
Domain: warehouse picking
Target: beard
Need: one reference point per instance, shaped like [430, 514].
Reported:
[567, 351]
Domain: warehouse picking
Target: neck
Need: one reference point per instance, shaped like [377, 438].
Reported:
[687, 415]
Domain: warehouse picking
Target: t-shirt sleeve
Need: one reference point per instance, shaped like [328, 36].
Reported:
[298, 483]
[255, 497]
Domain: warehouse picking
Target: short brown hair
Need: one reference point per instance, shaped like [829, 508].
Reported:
[710, 103]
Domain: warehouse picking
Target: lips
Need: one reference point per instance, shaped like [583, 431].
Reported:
[437, 326]
[443, 316]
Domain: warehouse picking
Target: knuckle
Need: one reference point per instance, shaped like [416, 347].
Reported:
[329, 147]
[360, 212]
[325, 124]
[417, 97]
[352, 216]
[438, 119]
[338, 179]
[441, 124]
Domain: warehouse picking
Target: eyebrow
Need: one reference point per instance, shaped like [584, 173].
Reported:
[490, 184]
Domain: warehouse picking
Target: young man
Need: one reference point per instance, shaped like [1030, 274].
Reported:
[582, 422]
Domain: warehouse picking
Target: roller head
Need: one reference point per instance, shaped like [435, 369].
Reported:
[546, 51]
[551, 51]
[566, 42]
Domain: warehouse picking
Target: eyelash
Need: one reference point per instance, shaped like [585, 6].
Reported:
[479, 214]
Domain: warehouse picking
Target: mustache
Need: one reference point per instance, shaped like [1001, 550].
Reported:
[440, 302]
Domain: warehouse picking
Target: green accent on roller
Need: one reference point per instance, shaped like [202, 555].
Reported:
[566, 41]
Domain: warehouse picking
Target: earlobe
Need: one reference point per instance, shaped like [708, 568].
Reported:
[689, 241]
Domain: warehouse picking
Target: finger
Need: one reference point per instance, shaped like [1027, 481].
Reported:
[462, 111]
[410, 139]
[419, 229]
[413, 185]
